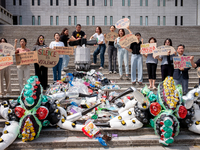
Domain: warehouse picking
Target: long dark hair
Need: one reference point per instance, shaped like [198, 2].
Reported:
[153, 39]
[62, 33]
[4, 40]
[24, 40]
[122, 31]
[99, 29]
[37, 42]
[168, 40]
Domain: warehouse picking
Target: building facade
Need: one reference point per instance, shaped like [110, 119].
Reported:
[105, 12]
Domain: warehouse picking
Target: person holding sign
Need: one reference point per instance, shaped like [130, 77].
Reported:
[181, 75]
[195, 64]
[41, 71]
[112, 53]
[5, 73]
[58, 67]
[151, 66]
[23, 71]
[101, 46]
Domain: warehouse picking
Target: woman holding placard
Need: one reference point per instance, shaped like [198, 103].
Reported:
[41, 71]
[58, 67]
[22, 70]
[101, 47]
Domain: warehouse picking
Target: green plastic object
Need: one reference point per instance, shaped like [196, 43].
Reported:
[169, 141]
[168, 135]
[168, 123]
[28, 93]
[45, 123]
[30, 100]
[94, 117]
[28, 86]
[167, 129]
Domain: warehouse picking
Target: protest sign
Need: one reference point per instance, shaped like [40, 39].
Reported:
[7, 48]
[122, 23]
[163, 50]
[127, 40]
[6, 61]
[47, 57]
[147, 48]
[182, 62]
[111, 36]
[198, 72]
[64, 50]
[26, 58]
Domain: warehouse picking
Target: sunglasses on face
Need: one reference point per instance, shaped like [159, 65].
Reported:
[41, 39]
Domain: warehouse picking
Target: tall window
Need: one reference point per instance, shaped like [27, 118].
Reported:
[123, 2]
[105, 20]
[57, 2]
[33, 20]
[51, 2]
[38, 2]
[181, 20]
[111, 20]
[158, 20]
[129, 17]
[141, 20]
[105, 2]
[75, 3]
[69, 20]
[69, 2]
[87, 2]
[14, 2]
[176, 20]
[146, 21]
[93, 20]
[129, 2]
[39, 20]
[141, 2]
[123, 17]
[176, 2]
[20, 20]
[33, 2]
[181, 2]
[111, 2]
[51, 20]
[75, 20]
[164, 2]
[57, 20]
[164, 20]
[146, 2]
[93, 2]
[87, 20]
[20, 2]
[158, 2]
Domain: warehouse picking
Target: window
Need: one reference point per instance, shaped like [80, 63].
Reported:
[20, 20]
[87, 2]
[164, 3]
[146, 21]
[111, 2]
[93, 20]
[69, 20]
[33, 20]
[75, 20]
[141, 2]
[14, 3]
[158, 2]
[123, 2]
[176, 2]
[129, 17]
[51, 20]
[141, 21]
[93, 2]
[57, 2]
[129, 2]
[20, 2]
[51, 2]
[158, 19]
[39, 20]
[69, 2]
[176, 20]
[181, 2]
[111, 20]
[164, 20]
[146, 2]
[33, 2]
[75, 3]
[14, 20]
[123, 17]
[87, 20]
[38, 2]
[105, 2]
[105, 20]
[181, 20]
[57, 20]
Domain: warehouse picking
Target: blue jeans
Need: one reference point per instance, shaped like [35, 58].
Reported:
[100, 49]
[66, 59]
[183, 82]
[122, 55]
[136, 62]
[57, 70]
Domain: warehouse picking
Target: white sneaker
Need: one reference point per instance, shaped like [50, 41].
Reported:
[63, 72]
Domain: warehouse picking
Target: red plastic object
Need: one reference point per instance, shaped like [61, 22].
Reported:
[155, 108]
[19, 111]
[182, 111]
[42, 113]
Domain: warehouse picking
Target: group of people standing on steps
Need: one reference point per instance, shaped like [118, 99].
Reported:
[115, 53]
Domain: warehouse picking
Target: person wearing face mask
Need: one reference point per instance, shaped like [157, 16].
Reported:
[181, 75]
[5, 74]
[41, 71]
[23, 71]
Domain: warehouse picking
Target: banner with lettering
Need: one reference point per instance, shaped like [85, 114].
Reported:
[122, 23]
[127, 40]
[64, 50]
[26, 58]
[7, 48]
[148, 48]
[182, 62]
[163, 50]
[111, 36]
[6, 61]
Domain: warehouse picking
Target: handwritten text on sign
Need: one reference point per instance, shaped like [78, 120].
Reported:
[47, 57]
[127, 40]
[122, 23]
[7, 48]
[148, 48]
[26, 58]
[182, 62]
[111, 36]
[163, 50]
[64, 50]
[5, 61]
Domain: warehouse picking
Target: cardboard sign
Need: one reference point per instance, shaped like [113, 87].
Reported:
[111, 36]
[6, 61]
[26, 58]
[127, 40]
[47, 57]
[182, 62]
[148, 48]
[64, 50]
[122, 23]
[198, 72]
[163, 50]
[6, 48]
